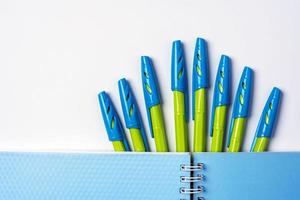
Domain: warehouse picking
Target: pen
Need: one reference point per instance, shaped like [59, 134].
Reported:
[180, 94]
[112, 123]
[199, 95]
[153, 105]
[240, 111]
[221, 100]
[132, 117]
[267, 122]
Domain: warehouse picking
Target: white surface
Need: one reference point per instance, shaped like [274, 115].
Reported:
[57, 55]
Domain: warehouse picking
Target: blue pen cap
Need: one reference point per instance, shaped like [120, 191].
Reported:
[111, 120]
[179, 74]
[221, 95]
[242, 99]
[200, 69]
[150, 87]
[268, 117]
[130, 110]
[269, 114]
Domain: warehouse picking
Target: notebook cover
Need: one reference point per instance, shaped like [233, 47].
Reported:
[91, 176]
[249, 176]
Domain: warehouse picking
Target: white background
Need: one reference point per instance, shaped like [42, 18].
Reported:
[55, 56]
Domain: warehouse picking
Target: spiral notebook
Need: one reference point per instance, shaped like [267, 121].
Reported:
[130, 176]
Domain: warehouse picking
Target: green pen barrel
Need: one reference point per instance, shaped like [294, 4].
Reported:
[180, 122]
[137, 140]
[218, 129]
[200, 123]
[261, 144]
[237, 135]
[158, 128]
[118, 146]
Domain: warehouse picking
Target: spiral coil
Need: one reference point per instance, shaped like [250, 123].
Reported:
[192, 179]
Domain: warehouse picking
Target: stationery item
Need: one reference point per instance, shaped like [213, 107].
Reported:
[221, 101]
[153, 105]
[267, 122]
[112, 123]
[94, 175]
[240, 111]
[199, 95]
[248, 176]
[132, 117]
[179, 87]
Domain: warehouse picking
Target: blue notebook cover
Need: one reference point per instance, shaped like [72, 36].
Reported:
[91, 176]
[136, 176]
[248, 176]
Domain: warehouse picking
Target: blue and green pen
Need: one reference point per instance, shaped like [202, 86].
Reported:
[112, 123]
[153, 105]
[221, 101]
[240, 111]
[179, 87]
[200, 86]
[267, 122]
[132, 117]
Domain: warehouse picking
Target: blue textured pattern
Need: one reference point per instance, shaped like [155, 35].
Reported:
[111, 120]
[222, 87]
[91, 176]
[150, 87]
[242, 99]
[130, 109]
[179, 74]
[200, 69]
[249, 176]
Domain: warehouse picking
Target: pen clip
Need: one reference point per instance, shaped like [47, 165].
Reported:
[200, 69]
[130, 110]
[179, 74]
[222, 87]
[111, 120]
[242, 99]
[150, 87]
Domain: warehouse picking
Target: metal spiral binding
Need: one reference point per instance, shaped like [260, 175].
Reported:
[192, 179]
[191, 168]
